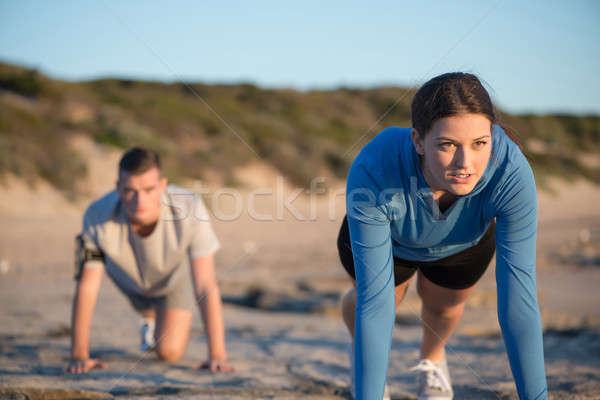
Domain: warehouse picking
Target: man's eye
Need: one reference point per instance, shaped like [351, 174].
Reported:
[446, 145]
[481, 143]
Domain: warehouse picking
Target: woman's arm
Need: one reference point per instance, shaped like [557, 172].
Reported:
[518, 311]
[373, 264]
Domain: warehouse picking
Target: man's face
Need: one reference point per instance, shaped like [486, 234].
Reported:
[455, 153]
[141, 195]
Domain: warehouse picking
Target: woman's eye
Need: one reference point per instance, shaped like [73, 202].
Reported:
[480, 143]
[446, 145]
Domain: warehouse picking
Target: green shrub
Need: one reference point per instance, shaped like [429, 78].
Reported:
[25, 83]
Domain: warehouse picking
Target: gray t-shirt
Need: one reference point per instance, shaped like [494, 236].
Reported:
[152, 265]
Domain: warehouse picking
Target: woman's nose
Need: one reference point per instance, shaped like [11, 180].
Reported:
[462, 158]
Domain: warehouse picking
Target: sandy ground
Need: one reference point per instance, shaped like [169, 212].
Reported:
[281, 281]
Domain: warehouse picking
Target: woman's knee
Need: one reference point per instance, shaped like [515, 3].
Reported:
[441, 301]
[441, 310]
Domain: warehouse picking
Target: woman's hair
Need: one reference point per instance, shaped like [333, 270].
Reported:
[451, 94]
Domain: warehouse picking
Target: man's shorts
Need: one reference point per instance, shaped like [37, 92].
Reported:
[181, 296]
[458, 271]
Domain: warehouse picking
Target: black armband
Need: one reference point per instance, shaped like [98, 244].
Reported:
[82, 255]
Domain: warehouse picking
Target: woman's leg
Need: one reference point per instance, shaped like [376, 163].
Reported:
[442, 309]
[349, 309]
[349, 304]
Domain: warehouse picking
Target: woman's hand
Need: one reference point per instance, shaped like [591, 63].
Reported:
[83, 365]
[216, 365]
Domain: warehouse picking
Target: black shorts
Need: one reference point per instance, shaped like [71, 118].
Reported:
[458, 271]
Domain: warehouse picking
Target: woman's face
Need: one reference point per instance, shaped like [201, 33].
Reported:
[455, 153]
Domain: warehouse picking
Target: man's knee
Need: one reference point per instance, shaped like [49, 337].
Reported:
[169, 352]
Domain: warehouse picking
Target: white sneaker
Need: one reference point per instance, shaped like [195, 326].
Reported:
[433, 380]
[350, 349]
[147, 335]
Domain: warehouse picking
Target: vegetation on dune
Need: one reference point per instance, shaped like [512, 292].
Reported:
[198, 128]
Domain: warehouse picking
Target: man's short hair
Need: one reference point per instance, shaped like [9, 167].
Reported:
[138, 160]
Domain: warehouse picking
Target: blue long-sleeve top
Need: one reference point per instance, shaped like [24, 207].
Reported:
[391, 212]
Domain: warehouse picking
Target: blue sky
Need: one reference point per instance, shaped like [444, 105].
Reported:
[535, 56]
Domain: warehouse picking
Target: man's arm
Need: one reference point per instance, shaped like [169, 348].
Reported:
[208, 297]
[84, 301]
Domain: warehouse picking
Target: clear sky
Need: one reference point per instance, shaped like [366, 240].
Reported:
[536, 56]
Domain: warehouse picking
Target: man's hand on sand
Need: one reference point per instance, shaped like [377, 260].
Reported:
[83, 365]
[216, 366]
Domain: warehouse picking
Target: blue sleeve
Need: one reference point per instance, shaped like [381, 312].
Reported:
[518, 311]
[373, 264]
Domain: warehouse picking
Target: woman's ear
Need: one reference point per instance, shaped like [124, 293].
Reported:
[417, 141]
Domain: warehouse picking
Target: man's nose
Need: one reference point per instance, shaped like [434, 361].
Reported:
[135, 199]
[141, 198]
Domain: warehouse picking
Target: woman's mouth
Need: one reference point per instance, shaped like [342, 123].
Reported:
[461, 178]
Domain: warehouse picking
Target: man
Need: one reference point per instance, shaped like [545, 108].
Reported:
[148, 237]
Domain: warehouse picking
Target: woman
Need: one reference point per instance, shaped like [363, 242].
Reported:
[438, 199]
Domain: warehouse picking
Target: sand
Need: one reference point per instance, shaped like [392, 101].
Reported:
[281, 281]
